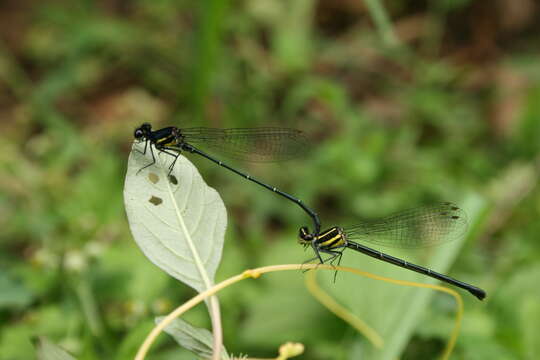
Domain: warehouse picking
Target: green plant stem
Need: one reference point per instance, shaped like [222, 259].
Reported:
[382, 23]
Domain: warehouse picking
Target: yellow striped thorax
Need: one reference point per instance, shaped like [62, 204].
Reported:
[167, 138]
[328, 239]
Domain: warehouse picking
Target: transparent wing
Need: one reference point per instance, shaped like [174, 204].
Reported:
[250, 144]
[413, 228]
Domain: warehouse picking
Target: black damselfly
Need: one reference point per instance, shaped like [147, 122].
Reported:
[413, 228]
[251, 144]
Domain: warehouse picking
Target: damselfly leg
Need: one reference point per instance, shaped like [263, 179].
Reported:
[144, 153]
[173, 152]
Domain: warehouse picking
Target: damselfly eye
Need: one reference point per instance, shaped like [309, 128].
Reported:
[138, 134]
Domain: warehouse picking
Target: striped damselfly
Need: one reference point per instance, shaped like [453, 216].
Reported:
[249, 144]
[414, 228]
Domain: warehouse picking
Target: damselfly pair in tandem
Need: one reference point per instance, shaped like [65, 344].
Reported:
[413, 228]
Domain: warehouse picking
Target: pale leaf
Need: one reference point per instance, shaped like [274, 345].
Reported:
[47, 350]
[197, 340]
[178, 221]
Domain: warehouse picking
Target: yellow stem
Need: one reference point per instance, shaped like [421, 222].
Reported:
[371, 334]
[255, 273]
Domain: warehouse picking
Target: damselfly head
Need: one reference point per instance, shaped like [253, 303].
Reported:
[142, 131]
[304, 236]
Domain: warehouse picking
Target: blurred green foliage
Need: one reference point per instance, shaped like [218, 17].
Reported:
[406, 103]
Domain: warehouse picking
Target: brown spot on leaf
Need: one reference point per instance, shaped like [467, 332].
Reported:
[173, 179]
[153, 178]
[155, 200]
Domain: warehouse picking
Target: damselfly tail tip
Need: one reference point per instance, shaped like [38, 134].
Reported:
[479, 293]
[304, 236]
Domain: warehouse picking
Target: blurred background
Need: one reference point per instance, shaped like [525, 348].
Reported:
[405, 103]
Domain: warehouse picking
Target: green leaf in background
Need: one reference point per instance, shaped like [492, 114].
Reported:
[13, 294]
[178, 222]
[526, 313]
[529, 312]
[291, 38]
[46, 350]
[196, 340]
